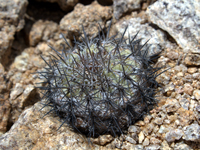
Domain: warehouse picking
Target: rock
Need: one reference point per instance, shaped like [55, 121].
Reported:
[157, 38]
[198, 108]
[188, 89]
[17, 90]
[184, 103]
[4, 102]
[172, 55]
[196, 94]
[121, 7]
[154, 140]
[11, 21]
[182, 146]
[192, 133]
[152, 147]
[146, 142]
[141, 137]
[196, 76]
[171, 105]
[180, 19]
[134, 129]
[165, 146]
[103, 139]
[158, 121]
[86, 16]
[21, 62]
[163, 129]
[65, 5]
[192, 60]
[192, 70]
[131, 140]
[173, 135]
[185, 116]
[36, 132]
[42, 31]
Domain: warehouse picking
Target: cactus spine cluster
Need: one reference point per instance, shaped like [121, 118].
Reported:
[101, 85]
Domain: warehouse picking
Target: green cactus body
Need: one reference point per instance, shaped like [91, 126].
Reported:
[103, 85]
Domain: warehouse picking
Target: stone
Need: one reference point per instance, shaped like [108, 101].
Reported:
[173, 135]
[153, 147]
[192, 133]
[180, 19]
[158, 120]
[182, 146]
[192, 70]
[146, 142]
[135, 25]
[171, 105]
[163, 129]
[18, 89]
[21, 62]
[131, 140]
[141, 137]
[172, 55]
[86, 16]
[185, 116]
[192, 59]
[121, 7]
[196, 94]
[42, 31]
[103, 139]
[188, 89]
[184, 103]
[36, 132]
[134, 129]
[154, 140]
[11, 21]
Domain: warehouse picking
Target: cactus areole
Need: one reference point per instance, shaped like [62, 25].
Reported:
[101, 85]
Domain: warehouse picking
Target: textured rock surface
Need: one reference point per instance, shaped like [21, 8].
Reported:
[11, 21]
[180, 18]
[33, 132]
[157, 38]
[65, 5]
[121, 7]
[192, 59]
[43, 31]
[4, 103]
[86, 16]
[192, 133]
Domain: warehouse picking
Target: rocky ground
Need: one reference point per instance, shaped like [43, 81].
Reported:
[28, 27]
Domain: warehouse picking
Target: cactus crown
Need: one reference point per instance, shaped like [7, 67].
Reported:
[101, 85]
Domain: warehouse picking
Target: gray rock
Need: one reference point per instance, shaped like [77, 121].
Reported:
[192, 133]
[11, 21]
[123, 6]
[134, 129]
[180, 18]
[152, 147]
[182, 146]
[184, 103]
[157, 38]
[173, 135]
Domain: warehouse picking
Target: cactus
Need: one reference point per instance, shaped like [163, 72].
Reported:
[101, 85]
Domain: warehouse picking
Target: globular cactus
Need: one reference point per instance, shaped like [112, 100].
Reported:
[101, 85]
